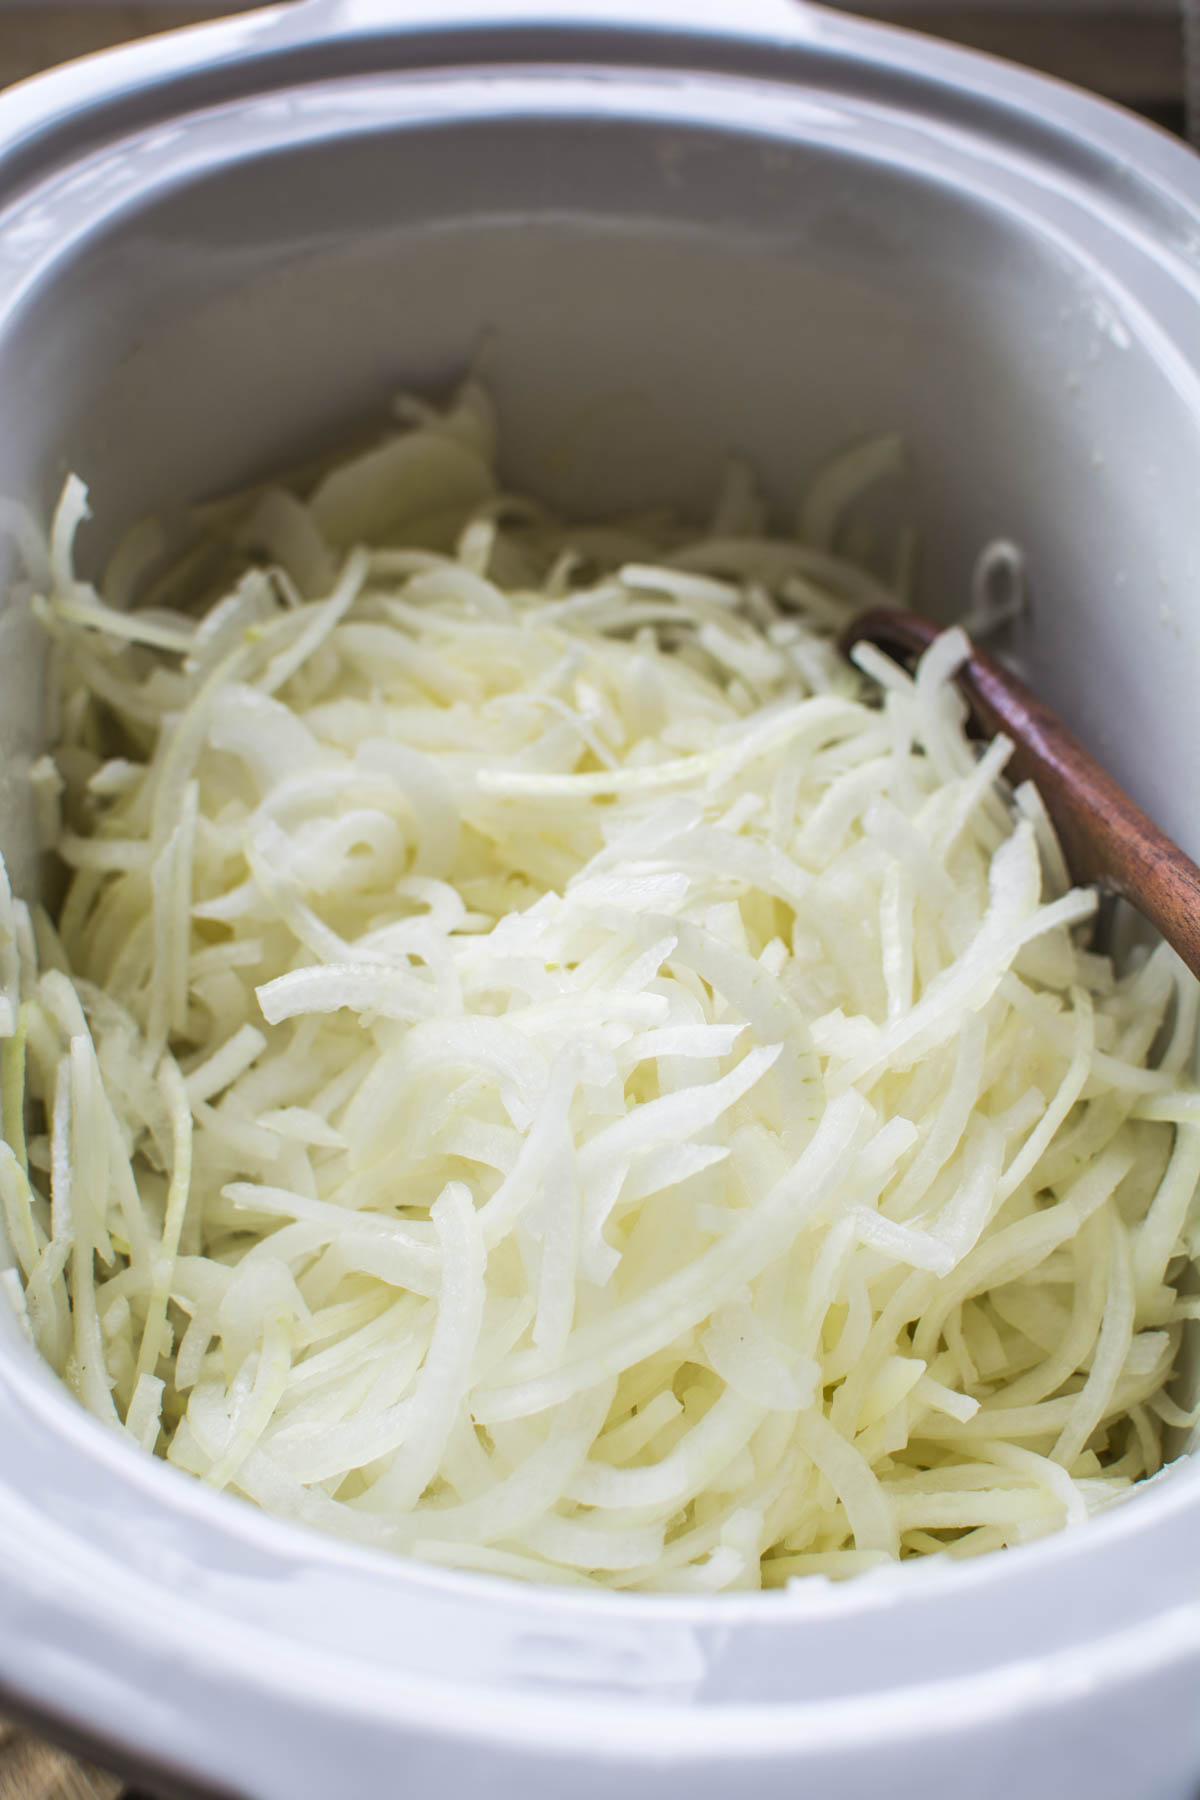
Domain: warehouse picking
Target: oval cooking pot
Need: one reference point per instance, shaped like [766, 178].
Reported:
[685, 227]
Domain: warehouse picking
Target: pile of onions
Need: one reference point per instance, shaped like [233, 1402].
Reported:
[543, 1067]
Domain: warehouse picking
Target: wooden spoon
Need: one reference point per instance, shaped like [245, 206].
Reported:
[1106, 838]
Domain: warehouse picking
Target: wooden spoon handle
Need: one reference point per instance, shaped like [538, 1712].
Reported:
[1105, 837]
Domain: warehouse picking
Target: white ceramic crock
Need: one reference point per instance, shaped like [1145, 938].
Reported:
[686, 227]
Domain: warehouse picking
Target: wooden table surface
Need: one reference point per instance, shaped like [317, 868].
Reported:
[38, 33]
[1137, 60]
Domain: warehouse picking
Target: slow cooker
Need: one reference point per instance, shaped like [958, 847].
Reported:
[680, 227]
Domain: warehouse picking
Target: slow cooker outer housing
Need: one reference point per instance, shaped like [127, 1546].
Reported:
[688, 228]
